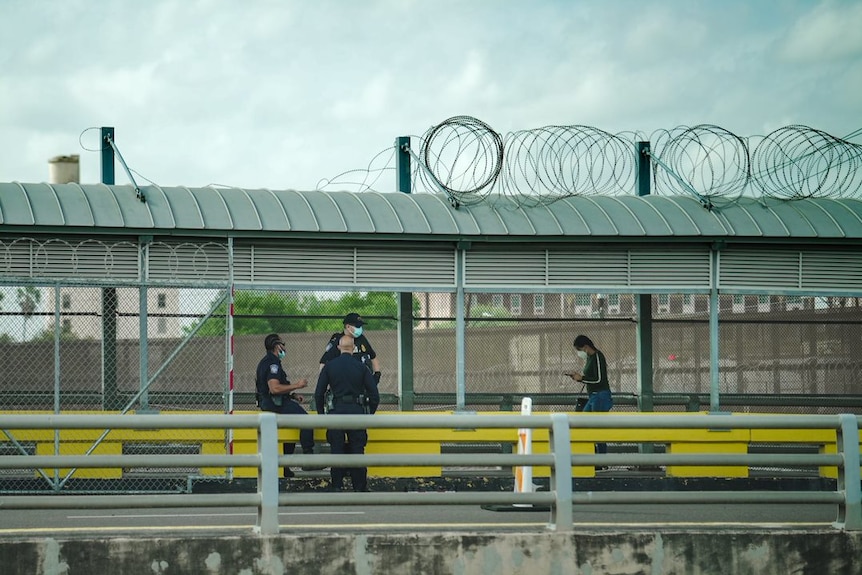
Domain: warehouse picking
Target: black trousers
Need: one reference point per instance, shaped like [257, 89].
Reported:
[351, 441]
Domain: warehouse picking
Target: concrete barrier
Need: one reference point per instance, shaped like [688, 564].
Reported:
[667, 551]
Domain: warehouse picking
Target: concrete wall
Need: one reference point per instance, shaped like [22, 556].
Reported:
[661, 552]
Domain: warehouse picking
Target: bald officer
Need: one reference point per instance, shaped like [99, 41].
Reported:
[354, 392]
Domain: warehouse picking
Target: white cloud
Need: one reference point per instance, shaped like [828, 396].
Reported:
[831, 30]
[283, 93]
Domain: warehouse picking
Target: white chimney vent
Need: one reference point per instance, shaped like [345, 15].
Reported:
[64, 169]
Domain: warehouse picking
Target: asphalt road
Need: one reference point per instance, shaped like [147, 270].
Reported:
[114, 522]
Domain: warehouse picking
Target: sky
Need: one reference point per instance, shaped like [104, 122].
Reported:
[289, 94]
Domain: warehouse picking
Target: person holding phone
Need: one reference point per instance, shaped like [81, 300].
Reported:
[594, 376]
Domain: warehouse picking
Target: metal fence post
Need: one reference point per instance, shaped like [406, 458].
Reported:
[561, 474]
[267, 475]
[850, 512]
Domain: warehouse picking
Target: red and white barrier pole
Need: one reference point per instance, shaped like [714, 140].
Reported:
[524, 475]
[230, 373]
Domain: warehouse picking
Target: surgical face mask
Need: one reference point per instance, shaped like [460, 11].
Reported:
[581, 354]
[357, 331]
[281, 354]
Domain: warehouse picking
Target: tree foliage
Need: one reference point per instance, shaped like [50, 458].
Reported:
[258, 312]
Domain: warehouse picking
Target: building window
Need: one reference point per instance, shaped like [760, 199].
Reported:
[67, 301]
[738, 303]
[162, 325]
[583, 303]
[539, 304]
[614, 303]
[67, 325]
[688, 303]
[163, 301]
[763, 303]
[497, 300]
[794, 302]
[664, 303]
[515, 304]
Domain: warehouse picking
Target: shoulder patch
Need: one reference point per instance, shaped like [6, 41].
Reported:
[273, 369]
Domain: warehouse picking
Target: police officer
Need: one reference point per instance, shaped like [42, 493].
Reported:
[362, 348]
[354, 391]
[277, 394]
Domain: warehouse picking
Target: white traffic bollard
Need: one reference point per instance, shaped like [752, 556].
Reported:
[524, 475]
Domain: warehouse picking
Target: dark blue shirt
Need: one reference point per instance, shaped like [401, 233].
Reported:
[348, 379]
[362, 349]
[270, 368]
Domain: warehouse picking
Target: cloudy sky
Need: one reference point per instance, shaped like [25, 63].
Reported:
[288, 94]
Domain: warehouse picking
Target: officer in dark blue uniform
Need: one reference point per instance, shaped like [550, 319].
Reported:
[362, 350]
[354, 392]
[277, 394]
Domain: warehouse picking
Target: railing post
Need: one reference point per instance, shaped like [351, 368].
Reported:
[850, 512]
[267, 475]
[561, 474]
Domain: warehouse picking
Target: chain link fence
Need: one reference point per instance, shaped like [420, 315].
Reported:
[73, 348]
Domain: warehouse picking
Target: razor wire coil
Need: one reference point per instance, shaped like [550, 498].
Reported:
[465, 158]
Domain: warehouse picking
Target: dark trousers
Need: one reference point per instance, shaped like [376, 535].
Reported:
[600, 401]
[348, 441]
[290, 407]
[351, 441]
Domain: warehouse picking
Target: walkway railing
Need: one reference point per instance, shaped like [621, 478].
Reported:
[559, 498]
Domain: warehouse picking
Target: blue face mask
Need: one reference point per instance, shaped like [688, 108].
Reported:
[281, 354]
[357, 331]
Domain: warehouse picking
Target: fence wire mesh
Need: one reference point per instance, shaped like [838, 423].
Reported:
[67, 348]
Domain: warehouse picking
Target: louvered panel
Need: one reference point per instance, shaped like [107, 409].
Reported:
[73, 258]
[243, 268]
[501, 268]
[53, 258]
[16, 257]
[671, 268]
[758, 269]
[588, 267]
[95, 259]
[312, 265]
[832, 270]
[188, 261]
[415, 267]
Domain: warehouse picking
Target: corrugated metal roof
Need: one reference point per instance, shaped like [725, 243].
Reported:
[234, 210]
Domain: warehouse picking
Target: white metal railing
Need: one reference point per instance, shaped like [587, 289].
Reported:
[560, 498]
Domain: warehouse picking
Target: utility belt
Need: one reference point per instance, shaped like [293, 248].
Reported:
[360, 399]
[349, 399]
[277, 400]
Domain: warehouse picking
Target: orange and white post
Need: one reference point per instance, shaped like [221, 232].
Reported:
[524, 475]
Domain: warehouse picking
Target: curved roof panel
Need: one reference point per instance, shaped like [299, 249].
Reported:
[262, 211]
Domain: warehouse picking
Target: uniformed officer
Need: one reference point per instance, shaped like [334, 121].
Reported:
[362, 350]
[354, 391]
[277, 394]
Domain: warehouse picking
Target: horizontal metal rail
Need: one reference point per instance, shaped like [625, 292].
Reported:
[13, 399]
[559, 498]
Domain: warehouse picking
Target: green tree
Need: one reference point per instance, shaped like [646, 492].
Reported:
[284, 312]
[255, 313]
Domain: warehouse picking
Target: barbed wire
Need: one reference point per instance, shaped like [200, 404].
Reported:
[798, 162]
[467, 160]
[463, 156]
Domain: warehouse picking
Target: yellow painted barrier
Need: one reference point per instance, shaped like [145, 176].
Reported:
[424, 441]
